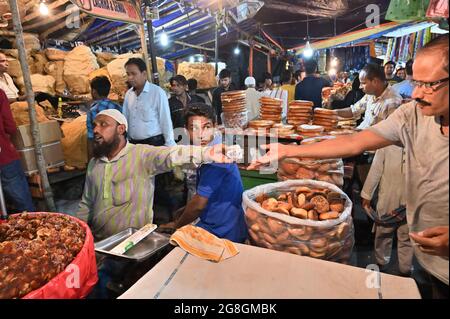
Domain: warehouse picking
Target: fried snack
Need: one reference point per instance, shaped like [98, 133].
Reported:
[34, 248]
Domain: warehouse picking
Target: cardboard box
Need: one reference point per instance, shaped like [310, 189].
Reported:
[53, 155]
[49, 132]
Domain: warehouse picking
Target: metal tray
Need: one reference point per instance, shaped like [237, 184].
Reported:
[144, 249]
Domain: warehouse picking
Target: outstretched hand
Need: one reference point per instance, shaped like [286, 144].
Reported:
[275, 152]
[216, 154]
[432, 241]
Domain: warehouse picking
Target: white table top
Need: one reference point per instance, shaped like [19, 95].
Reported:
[262, 273]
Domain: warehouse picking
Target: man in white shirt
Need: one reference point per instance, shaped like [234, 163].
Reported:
[252, 98]
[380, 99]
[147, 111]
[6, 82]
[146, 108]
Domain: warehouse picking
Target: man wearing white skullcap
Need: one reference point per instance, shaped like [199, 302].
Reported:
[252, 98]
[118, 192]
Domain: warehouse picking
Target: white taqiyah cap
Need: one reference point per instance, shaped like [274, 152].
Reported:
[250, 81]
[115, 114]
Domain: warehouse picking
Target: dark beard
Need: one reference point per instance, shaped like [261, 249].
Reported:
[104, 149]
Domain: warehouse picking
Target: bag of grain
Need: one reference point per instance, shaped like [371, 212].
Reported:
[56, 69]
[202, 72]
[43, 83]
[55, 54]
[78, 64]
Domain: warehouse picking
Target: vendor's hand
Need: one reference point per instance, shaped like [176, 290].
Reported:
[216, 154]
[167, 228]
[275, 152]
[365, 204]
[432, 241]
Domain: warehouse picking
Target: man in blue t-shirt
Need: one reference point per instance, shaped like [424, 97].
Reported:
[218, 201]
[310, 89]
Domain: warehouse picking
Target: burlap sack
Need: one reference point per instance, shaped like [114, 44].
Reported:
[78, 64]
[55, 54]
[20, 113]
[74, 142]
[56, 69]
[202, 72]
[31, 42]
[100, 72]
[103, 58]
[40, 60]
[43, 83]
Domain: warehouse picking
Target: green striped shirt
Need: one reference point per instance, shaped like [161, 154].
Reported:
[118, 193]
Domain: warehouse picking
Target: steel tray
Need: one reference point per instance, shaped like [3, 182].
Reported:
[144, 249]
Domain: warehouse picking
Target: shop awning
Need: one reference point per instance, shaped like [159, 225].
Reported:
[360, 35]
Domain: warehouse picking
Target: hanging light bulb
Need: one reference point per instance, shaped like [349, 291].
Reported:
[237, 51]
[191, 59]
[43, 9]
[308, 51]
[164, 39]
[334, 62]
[200, 58]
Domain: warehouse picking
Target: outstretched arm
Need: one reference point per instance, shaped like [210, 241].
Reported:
[343, 146]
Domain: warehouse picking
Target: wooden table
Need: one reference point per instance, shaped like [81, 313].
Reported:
[261, 273]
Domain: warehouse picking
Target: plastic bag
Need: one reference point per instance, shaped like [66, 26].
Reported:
[235, 120]
[330, 170]
[79, 277]
[330, 240]
[401, 10]
[438, 9]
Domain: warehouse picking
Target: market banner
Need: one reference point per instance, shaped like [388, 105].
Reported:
[122, 11]
[359, 35]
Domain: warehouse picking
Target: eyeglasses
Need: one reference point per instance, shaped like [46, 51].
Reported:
[429, 87]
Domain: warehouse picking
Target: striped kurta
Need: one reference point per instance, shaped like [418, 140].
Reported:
[118, 193]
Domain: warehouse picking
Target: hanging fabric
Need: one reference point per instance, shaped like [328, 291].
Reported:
[406, 10]
[437, 9]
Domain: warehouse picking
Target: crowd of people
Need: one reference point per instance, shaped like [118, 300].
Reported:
[403, 126]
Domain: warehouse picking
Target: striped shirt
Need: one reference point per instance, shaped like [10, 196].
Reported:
[118, 193]
[376, 109]
[96, 107]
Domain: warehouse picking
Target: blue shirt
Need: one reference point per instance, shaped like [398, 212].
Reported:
[310, 89]
[96, 107]
[404, 88]
[223, 216]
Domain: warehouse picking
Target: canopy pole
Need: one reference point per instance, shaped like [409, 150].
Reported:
[216, 46]
[144, 49]
[250, 61]
[269, 63]
[155, 75]
[40, 161]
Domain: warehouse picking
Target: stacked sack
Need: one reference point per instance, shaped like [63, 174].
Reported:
[78, 64]
[328, 170]
[307, 218]
[299, 112]
[234, 109]
[271, 109]
[326, 118]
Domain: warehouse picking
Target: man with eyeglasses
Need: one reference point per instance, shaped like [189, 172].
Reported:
[421, 127]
